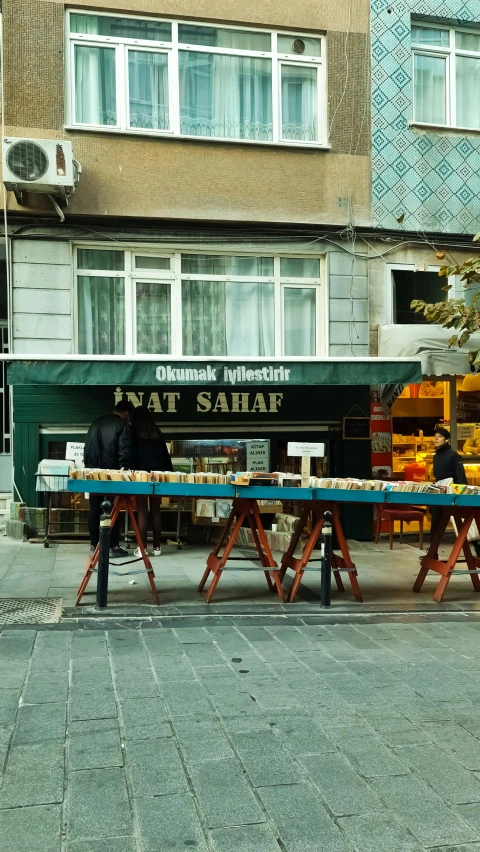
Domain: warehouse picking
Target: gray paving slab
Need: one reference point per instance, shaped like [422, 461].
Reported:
[94, 703]
[144, 718]
[266, 761]
[342, 788]
[185, 698]
[224, 794]
[247, 838]
[94, 750]
[371, 757]
[41, 689]
[106, 813]
[135, 683]
[38, 723]
[111, 844]
[12, 673]
[34, 775]
[300, 734]
[180, 825]
[35, 829]
[155, 768]
[462, 745]
[378, 831]
[202, 739]
[16, 647]
[422, 811]
[9, 701]
[443, 773]
[302, 820]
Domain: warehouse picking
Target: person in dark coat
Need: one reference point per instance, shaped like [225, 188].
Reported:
[446, 464]
[108, 446]
[149, 453]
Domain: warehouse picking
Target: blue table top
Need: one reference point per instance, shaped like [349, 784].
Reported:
[228, 492]
[95, 486]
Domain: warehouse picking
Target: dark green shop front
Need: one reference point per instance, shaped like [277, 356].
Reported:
[54, 401]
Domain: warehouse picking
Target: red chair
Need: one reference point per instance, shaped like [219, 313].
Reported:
[404, 514]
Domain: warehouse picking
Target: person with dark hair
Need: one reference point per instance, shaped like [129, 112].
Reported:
[108, 446]
[149, 453]
[447, 464]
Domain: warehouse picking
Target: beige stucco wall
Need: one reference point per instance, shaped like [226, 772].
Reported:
[177, 179]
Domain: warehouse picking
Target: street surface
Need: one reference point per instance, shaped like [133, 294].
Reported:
[239, 738]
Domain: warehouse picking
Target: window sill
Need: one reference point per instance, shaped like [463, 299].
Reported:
[444, 128]
[115, 131]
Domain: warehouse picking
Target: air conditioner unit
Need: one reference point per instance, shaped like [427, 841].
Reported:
[40, 165]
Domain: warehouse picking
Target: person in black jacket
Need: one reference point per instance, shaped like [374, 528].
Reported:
[149, 453]
[108, 446]
[446, 464]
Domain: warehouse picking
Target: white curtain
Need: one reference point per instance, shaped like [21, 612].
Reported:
[228, 318]
[148, 90]
[430, 89]
[153, 317]
[95, 98]
[299, 306]
[225, 96]
[468, 99]
[101, 315]
[299, 104]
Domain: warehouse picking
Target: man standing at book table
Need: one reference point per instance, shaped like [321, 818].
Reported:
[108, 446]
[447, 464]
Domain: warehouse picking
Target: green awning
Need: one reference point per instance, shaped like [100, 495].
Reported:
[220, 373]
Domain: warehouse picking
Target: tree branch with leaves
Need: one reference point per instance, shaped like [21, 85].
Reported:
[454, 313]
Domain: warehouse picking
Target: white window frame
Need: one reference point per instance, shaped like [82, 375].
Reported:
[449, 53]
[123, 45]
[175, 276]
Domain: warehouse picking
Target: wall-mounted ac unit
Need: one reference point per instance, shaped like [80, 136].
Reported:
[40, 165]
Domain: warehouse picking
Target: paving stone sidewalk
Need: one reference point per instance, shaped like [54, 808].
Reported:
[241, 738]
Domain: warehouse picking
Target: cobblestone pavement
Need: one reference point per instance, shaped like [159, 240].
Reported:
[312, 738]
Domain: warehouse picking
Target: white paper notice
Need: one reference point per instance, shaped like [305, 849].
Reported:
[295, 448]
[74, 452]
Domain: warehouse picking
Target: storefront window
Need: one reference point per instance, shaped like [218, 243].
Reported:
[197, 304]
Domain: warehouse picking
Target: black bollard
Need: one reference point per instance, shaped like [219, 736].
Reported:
[104, 555]
[326, 568]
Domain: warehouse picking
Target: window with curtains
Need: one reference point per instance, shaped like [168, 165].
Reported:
[139, 301]
[196, 80]
[446, 75]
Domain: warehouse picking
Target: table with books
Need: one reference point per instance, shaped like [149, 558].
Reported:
[246, 490]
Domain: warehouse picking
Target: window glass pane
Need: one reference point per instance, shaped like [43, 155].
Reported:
[153, 318]
[151, 262]
[299, 44]
[120, 27]
[228, 318]
[101, 315]
[113, 261]
[148, 90]
[468, 100]
[218, 37]
[299, 103]
[299, 320]
[225, 96]
[467, 41]
[200, 264]
[409, 285]
[95, 98]
[429, 85]
[300, 267]
[430, 35]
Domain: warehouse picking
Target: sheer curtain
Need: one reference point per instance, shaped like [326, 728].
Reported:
[430, 89]
[148, 90]
[468, 100]
[299, 306]
[101, 315]
[250, 312]
[153, 318]
[203, 318]
[95, 94]
[225, 96]
[299, 104]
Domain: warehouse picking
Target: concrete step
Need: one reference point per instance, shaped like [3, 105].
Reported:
[5, 500]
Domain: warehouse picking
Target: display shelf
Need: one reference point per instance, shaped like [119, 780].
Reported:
[100, 486]
[193, 489]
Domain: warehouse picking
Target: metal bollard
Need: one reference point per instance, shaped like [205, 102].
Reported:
[326, 567]
[104, 555]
